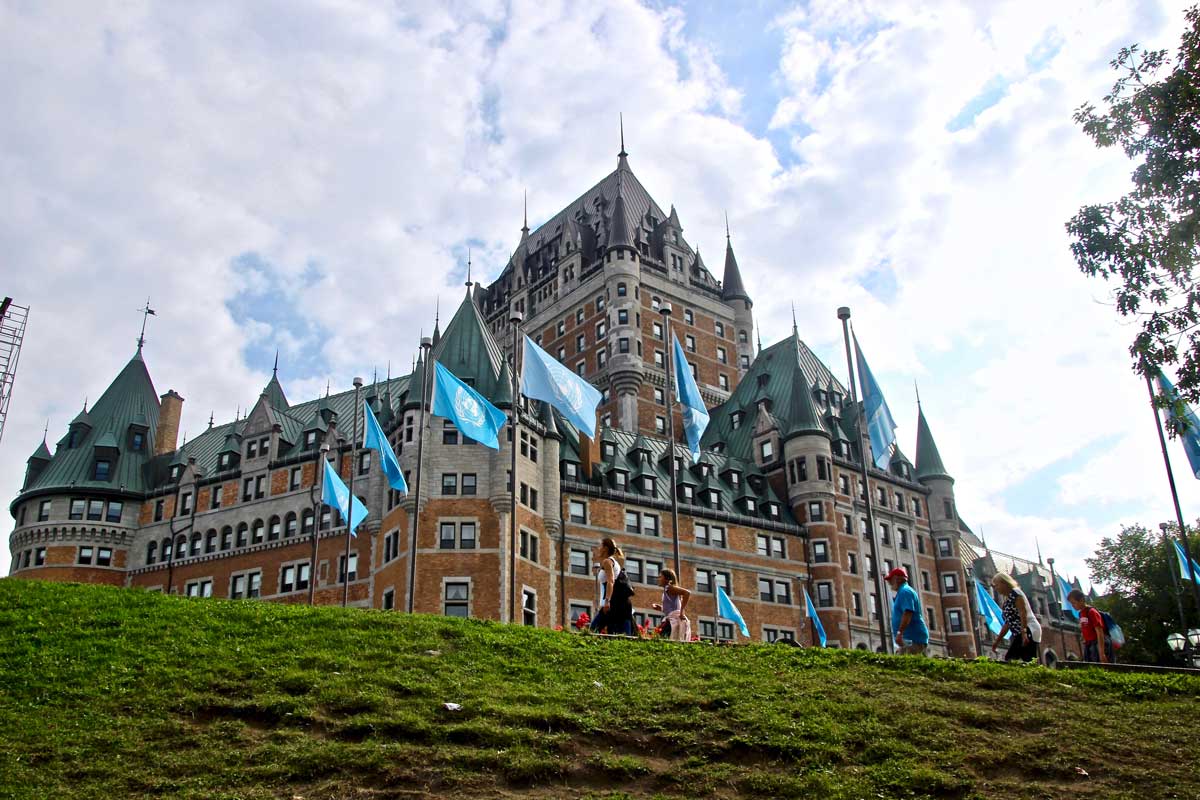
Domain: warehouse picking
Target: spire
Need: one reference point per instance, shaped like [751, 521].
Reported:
[524, 214]
[621, 156]
[795, 327]
[732, 287]
[618, 229]
[468, 269]
[274, 390]
[758, 336]
[929, 461]
[210, 420]
[146, 312]
[437, 311]
[275, 369]
[1038, 545]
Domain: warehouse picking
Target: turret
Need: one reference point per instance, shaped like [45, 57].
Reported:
[734, 293]
[36, 463]
[622, 281]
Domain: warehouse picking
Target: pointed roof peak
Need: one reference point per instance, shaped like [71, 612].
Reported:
[524, 214]
[732, 287]
[42, 453]
[622, 155]
[802, 416]
[618, 229]
[929, 461]
[275, 369]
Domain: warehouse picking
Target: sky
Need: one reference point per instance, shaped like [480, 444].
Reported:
[307, 176]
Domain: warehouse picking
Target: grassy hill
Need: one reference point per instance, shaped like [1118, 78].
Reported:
[118, 693]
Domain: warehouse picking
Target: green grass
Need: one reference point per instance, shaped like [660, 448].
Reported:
[120, 693]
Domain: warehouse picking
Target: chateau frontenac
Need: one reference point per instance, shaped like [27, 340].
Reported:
[773, 507]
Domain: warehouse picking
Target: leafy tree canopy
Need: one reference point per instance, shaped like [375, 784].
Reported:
[1146, 243]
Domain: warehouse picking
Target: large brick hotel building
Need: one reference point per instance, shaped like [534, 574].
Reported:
[773, 506]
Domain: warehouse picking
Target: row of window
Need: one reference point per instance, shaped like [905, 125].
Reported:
[245, 534]
[248, 584]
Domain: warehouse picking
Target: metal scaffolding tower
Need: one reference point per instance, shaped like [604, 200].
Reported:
[12, 331]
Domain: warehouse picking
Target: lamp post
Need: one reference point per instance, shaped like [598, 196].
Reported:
[314, 494]
[665, 310]
[804, 535]
[358, 382]
[427, 349]
[1166, 539]
[1187, 647]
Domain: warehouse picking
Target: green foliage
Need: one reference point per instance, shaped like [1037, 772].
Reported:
[1147, 242]
[120, 693]
[1144, 599]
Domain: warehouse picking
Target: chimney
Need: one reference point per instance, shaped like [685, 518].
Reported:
[587, 457]
[165, 436]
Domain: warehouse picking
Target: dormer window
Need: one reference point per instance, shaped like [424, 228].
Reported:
[704, 469]
[714, 498]
[735, 479]
[176, 471]
[648, 484]
[225, 461]
[735, 419]
[619, 480]
[73, 438]
[310, 440]
[608, 449]
[773, 510]
[571, 470]
[751, 505]
[137, 442]
[102, 470]
[686, 492]
[837, 400]
[821, 397]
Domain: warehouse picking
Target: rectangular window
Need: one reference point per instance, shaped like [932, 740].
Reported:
[252, 449]
[660, 425]
[247, 490]
[457, 597]
[199, 588]
[925, 580]
[446, 535]
[950, 582]
[689, 342]
[216, 497]
[577, 510]
[389, 599]
[528, 607]
[852, 560]
[450, 483]
[85, 556]
[902, 538]
[702, 535]
[623, 317]
[466, 536]
[945, 550]
[947, 508]
[353, 567]
[529, 546]
[857, 604]
[78, 506]
[287, 579]
[825, 595]
[44, 511]
[653, 568]
[658, 331]
[766, 590]
[816, 512]
[364, 462]
[633, 522]
[783, 592]
[821, 552]
[767, 450]
[580, 344]
[449, 433]
[114, 510]
[844, 484]
[764, 545]
[885, 535]
[658, 359]
[469, 483]
[39, 557]
[581, 367]
[185, 504]
[717, 536]
[237, 587]
[916, 507]
[577, 610]
[956, 620]
[104, 557]
[95, 510]
[932, 619]
[580, 562]
[650, 524]
[704, 581]
[633, 569]
[294, 479]
[259, 484]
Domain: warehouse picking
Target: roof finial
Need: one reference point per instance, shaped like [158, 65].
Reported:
[374, 375]
[327, 387]
[437, 309]
[85, 405]
[525, 213]
[727, 227]
[389, 371]
[621, 120]
[795, 327]
[1038, 545]
[275, 369]
[146, 312]
[210, 420]
[758, 333]
[468, 267]
[917, 389]
[46, 430]
[237, 414]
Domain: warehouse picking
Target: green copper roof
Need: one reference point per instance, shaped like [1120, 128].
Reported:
[802, 416]
[778, 368]
[130, 396]
[929, 461]
[468, 350]
[274, 393]
[42, 453]
[732, 287]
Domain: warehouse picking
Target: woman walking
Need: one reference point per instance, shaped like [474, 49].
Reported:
[616, 614]
[1019, 619]
[674, 600]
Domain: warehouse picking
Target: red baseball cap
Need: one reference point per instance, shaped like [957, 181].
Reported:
[898, 572]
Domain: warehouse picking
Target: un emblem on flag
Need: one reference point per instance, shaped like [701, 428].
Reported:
[565, 386]
[467, 407]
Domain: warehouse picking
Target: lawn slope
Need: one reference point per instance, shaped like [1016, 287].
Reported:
[121, 693]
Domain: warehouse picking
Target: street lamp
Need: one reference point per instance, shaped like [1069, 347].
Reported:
[1194, 637]
[1177, 642]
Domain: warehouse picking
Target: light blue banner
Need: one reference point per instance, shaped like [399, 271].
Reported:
[470, 412]
[692, 409]
[1065, 589]
[816, 621]
[543, 378]
[991, 612]
[375, 440]
[1183, 565]
[727, 610]
[880, 425]
[1187, 420]
[335, 494]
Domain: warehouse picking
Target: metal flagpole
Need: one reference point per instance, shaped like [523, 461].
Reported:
[427, 347]
[665, 310]
[1187, 550]
[358, 382]
[315, 496]
[864, 448]
[513, 426]
[1172, 560]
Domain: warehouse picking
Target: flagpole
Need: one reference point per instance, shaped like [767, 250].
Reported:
[863, 448]
[427, 347]
[1172, 560]
[1162, 442]
[358, 382]
[315, 496]
[665, 309]
[514, 423]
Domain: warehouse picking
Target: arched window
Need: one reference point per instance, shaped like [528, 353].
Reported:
[210, 541]
[307, 524]
[742, 337]
[243, 534]
[151, 549]
[325, 518]
[257, 531]
[181, 546]
[226, 538]
[197, 538]
[165, 549]
[289, 527]
[274, 530]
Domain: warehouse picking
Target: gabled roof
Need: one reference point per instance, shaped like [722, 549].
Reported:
[130, 396]
[929, 461]
[778, 366]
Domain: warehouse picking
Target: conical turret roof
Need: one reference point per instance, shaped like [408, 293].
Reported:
[42, 453]
[618, 230]
[732, 287]
[468, 349]
[802, 416]
[929, 461]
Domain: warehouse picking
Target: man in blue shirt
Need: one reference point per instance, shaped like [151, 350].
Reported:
[907, 620]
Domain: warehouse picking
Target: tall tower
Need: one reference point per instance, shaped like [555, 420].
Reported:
[622, 281]
[943, 524]
[733, 292]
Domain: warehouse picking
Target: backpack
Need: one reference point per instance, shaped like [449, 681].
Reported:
[622, 591]
[1115, 634]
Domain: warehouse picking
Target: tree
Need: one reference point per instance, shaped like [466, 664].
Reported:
[1147, 242]
[1142, 597]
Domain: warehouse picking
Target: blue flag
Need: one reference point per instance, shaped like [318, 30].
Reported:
[816, 621]
[543, 378]
[880, 426]
[335, 494]
[1187, 420]
[375, 440]
[727, 610]
[1183, 565]
[1065, 589]
[470, 412]
[988, 609]
[695, 415]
